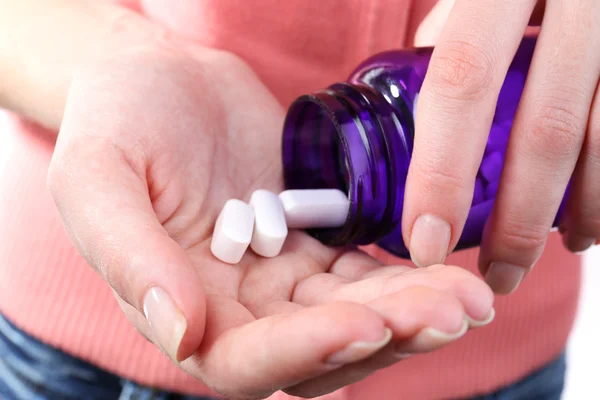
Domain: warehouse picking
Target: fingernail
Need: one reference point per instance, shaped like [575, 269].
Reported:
[577, 243]
[503, 277]
[473, 323]
[429, 240]
[429, 339]
[167, 322]
[359, 350]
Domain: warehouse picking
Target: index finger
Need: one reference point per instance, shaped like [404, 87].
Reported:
[454, 116]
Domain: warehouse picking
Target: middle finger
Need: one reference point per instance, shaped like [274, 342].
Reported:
[545, 142]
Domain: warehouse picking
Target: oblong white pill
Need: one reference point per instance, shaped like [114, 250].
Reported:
[270, 229]
[314, 208]
[233, 231]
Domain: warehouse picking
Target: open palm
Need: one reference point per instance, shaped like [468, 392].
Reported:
[150, 148]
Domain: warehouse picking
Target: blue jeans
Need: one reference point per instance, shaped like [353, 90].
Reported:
[31, 370]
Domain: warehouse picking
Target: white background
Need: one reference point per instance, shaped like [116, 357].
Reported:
[583, 381]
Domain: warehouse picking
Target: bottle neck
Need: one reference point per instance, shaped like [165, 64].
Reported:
[349, 137]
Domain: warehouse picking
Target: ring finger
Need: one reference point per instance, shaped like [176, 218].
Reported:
[582, 223]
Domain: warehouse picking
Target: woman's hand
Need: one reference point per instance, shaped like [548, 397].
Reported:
[556, 132]
[152, 143]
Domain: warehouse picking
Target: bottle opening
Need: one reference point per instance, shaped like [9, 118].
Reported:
[349, 138]
[316, 157]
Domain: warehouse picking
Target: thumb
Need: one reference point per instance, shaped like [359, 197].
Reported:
[102, 196]
[431, 27]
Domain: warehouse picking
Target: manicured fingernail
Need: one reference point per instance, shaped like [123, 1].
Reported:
[577, 243]
[167, 322]
[473, 323]
[429, 240]
[429, 339]
[359, 350]
[503, 277]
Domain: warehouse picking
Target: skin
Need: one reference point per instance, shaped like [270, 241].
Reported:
[154, 134]
[556, 133]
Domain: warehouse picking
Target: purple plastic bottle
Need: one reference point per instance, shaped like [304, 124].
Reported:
[357, 136]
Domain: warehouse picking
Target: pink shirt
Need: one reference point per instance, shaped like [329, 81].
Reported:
[295, 46]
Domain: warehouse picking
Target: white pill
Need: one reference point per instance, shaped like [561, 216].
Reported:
[270, 229]
[315, 208]
[233, 231]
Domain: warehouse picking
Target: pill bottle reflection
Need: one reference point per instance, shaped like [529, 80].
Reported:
[357, 136]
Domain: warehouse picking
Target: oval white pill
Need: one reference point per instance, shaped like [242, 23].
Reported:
[315, 208]
[233, 231]
[270, 229]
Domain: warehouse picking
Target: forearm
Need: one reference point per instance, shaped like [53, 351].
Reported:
[43, 42]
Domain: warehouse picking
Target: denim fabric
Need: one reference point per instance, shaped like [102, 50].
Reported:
[544, 384]
[31, 370]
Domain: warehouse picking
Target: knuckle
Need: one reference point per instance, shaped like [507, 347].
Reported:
[106, 265]
[75, 165]
[80, 153]
[522, 237]
[462, 70]
[111, 267]
[87, 156]
[440, 180]
[557, 130]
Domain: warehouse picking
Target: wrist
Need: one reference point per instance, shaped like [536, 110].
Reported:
[53, 45]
